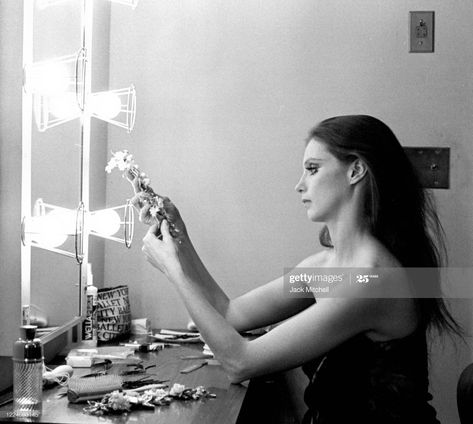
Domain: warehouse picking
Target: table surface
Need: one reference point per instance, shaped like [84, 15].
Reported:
[225, 408]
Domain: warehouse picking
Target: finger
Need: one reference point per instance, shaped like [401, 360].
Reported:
[154, 229]
[150, 234]
[165, 230]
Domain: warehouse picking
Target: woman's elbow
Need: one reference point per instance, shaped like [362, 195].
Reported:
[236, 362]
[236, 377]
[235, 372]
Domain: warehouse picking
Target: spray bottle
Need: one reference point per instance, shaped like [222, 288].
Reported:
[27, 374]
[89, 326]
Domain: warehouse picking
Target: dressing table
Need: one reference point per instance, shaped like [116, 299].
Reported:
[265, 399]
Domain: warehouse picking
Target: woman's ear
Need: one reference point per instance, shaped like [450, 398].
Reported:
[357, 171]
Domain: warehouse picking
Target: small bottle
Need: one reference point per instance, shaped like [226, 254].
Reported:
[89, 326]
[27, 374]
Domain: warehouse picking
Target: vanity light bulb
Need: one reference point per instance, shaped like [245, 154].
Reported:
[106, 222]
[45, 233]
[106, 105]
[49, 79]
[64, 106]
[52, 230]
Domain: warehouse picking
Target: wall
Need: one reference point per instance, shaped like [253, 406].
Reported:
[226, 93]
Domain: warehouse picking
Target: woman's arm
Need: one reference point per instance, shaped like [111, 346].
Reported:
[309, 334]
[262, 306]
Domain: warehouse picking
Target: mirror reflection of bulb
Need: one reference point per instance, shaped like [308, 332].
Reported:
[49, 79]
[42, 230]
[106, 105]
[51, 230]
[64, 106]
[106, 222]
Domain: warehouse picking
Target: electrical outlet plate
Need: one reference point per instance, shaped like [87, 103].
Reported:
[421, 32]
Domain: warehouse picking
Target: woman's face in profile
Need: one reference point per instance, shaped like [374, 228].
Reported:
[324, 185]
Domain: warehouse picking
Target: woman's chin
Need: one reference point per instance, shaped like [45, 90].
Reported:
[316, 217]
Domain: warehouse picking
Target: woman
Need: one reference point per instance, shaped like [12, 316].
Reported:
[366, 357]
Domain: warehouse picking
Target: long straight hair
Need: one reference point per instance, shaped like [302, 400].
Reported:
[398, 211]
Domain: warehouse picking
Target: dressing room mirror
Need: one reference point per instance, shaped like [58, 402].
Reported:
[66, 56]
[55, 161]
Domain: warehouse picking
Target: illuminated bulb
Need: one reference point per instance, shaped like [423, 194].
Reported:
[41, 230]
[106, 222]
[51, 230]
[49, 79]
[106, 105]
[64, 106]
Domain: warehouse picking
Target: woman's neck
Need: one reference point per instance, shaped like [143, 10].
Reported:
[350, 238]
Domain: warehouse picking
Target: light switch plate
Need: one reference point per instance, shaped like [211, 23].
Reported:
[421, 32]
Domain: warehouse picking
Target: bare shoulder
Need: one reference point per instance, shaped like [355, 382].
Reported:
[376, 255]
[399, 312]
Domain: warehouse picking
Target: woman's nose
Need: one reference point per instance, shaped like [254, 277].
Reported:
[300, 187]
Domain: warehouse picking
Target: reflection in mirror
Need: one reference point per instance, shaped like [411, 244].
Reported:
[67, 111]
[51, 182]
[55, 171]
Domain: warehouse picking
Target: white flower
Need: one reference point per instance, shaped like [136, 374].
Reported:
[121, 160]
[177, 389]
[158, 393]
[153, 210]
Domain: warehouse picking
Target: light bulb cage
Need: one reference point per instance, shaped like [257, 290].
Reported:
[44, 115]
[73, 94]
[42, 209]
[127, 222]
[125, 117]
[70, 80]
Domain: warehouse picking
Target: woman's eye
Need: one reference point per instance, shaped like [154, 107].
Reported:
[312, 169]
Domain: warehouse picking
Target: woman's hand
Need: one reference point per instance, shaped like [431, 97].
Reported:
[153, 208]
[163, 253]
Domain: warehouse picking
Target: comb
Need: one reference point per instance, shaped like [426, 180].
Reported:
[83, 389]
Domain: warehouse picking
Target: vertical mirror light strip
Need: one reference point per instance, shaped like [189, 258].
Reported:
[86, 40]
[27, 117]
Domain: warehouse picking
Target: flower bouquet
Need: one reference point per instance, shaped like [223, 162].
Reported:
[119, 402]
[144, 194]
